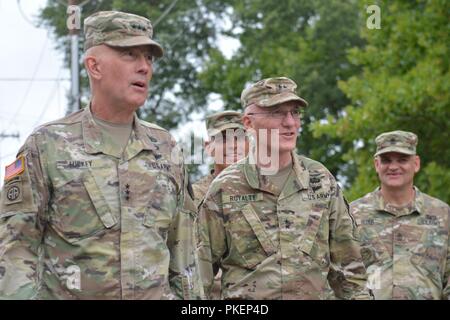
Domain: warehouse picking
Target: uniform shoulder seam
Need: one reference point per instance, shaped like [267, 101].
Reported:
[437, 201]
[308, 162]
[152, 125]
[67, 120]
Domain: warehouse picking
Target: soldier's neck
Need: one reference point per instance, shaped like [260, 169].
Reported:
[275, 163]
[104, 110]
[398, 197]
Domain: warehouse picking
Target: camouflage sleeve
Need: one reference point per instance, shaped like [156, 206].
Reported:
[446, 284]
[347, 275]
[184, 274]
[212, 240]
[23, 205]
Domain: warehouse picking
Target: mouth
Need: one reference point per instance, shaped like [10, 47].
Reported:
[393, 175]
[287, 134]
[141, 85]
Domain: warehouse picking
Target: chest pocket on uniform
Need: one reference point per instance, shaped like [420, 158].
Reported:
[312, 239]
[306, 242]
[250, 237]
[158, 222]
[80, 209]
[153, 187]
[376, 242]
[427, 248]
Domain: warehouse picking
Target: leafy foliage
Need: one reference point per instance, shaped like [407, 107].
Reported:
[404, 85]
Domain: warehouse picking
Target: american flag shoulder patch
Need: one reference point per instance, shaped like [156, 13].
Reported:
[15, 168]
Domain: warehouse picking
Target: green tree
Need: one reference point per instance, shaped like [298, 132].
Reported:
[404, 84]
[305, 40]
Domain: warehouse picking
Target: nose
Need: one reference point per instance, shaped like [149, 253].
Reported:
[289, 119]
[144, 65]
[393, 166]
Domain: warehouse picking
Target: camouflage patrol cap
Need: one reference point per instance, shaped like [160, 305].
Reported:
[396, 141]
[119, 29]
[221, 121]
[271, 92]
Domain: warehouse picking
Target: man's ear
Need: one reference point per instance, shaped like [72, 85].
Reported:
[376, 162]
[247, 122]
[416, 164]
[91, 63]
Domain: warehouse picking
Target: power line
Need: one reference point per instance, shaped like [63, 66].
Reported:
[49, 100]
[9, 135]
[28, 89]
[35, 79]
[67, 4]
[165, 13]
[24, 15]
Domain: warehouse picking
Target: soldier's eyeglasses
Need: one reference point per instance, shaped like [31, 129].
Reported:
[296, 114]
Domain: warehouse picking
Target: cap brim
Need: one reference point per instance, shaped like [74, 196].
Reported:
[395, 149]
[213, 132]
[282, 98]
[138, 41]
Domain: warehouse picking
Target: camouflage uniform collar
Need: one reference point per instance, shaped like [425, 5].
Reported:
[417, 204]
[299, 180]
[93, 140]
[300, 172]
[139, 140]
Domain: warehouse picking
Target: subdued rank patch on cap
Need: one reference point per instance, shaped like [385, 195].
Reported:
[396, 141]
[271, 92]
[222, 121]
[119, 29]
[16, 168]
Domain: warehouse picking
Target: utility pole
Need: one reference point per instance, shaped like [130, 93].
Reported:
[73, 24]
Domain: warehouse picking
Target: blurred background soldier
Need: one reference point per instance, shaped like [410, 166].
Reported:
[227, 144]
[226, 134]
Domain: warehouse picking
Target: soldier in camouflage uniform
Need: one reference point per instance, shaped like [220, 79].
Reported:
[95, 206]
[229, 148]
[404, 232]
[284, 233]
[227, 144]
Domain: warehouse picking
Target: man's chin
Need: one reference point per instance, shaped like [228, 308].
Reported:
[137, 102]
[287, 148]
[394, 184]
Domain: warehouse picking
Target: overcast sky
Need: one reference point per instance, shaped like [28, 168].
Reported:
[30, 66]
